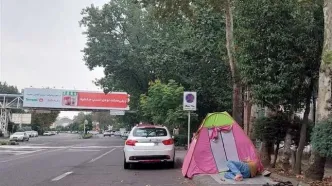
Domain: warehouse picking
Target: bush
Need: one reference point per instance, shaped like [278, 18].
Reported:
[86, 136]
[271, 129]
[321, 138]
[3, 143]
[180, 140]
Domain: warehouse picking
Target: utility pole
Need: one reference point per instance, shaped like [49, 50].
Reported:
[85, 123]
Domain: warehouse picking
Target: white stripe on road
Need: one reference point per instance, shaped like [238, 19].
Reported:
[97, 158]
[5, 161]
[61, 176]
[83, 150]
[28, 152]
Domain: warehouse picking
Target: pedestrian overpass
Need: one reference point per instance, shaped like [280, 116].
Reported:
[61, 100]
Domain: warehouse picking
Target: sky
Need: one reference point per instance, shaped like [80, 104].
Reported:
[41, 43]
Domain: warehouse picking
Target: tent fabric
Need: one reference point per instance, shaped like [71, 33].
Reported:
[230, 146]
[218, 152]
[245, 148]
[218, 139]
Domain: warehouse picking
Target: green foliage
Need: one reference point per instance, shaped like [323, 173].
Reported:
[321, 138]
[180, 140]
[279, 44]
[271, 129]
[163, 103]
[8, 89]
[296, 130]
[87, 136]
[135, 48]
[42, 121]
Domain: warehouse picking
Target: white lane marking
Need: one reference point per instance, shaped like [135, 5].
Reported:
[61, 176]
[5, 161]
[97, 158]
[28, 152]
[82, 150]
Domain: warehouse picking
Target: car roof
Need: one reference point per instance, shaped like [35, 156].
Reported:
[150, 126]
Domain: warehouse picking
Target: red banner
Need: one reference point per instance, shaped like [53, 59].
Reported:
[112, 100]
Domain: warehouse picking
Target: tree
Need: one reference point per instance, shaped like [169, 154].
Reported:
[104, 119]
[278, 46]
[8, 89]
[174, 9]
[317, 162]
[166, 50]
[163, 104]
[42, 121]
[272, 131]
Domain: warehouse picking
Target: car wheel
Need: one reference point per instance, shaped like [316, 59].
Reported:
[125, 164]
[28, 139]
[171, 164]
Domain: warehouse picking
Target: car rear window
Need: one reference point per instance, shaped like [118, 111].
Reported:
[149, 132]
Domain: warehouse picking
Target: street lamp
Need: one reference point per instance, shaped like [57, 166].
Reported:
[85, 123]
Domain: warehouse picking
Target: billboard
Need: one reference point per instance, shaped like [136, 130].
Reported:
[74, 99]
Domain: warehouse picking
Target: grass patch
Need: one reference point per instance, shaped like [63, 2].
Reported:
[87, 136]
[8, 143]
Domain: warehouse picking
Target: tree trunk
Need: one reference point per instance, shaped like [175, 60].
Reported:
[253, 117]
[317, 163]
[265, 154]
[237, 101]
[247, 112]
[276, 152]
[303, 133]
[287, 151]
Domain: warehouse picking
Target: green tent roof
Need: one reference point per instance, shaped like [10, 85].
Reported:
[218, 119]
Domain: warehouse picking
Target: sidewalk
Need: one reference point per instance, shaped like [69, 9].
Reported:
[218, 179]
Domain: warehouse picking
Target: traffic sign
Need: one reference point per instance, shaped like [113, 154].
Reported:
[117, 112]
[189, 101]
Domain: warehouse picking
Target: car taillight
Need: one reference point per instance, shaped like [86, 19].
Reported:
[131, 142]
[168, 142]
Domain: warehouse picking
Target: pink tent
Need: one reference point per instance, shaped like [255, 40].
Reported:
[218, 140]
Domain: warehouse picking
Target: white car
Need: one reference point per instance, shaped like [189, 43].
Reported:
[19, 136]
[47, 133]
[149, 144]
[107, 133]
[31, 133]
[35, 133]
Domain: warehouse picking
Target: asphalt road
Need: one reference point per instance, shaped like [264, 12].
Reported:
[66, 160]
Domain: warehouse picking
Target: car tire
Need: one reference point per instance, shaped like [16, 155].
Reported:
[171, 164]
[28, 139]
[125, 164]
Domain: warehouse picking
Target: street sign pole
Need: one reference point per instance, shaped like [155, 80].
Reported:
[188, 129]
[189, 104]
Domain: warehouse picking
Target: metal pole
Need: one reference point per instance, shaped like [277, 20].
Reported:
[84, 129]
[188, 129]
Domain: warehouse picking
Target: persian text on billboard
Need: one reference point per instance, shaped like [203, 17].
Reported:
[72, 99]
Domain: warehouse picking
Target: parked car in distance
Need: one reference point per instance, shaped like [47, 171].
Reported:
[107, 133]
[47, 133]
[117, 133]
[19, 136]
[125, 135]
[149, 144]
[32, 133]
